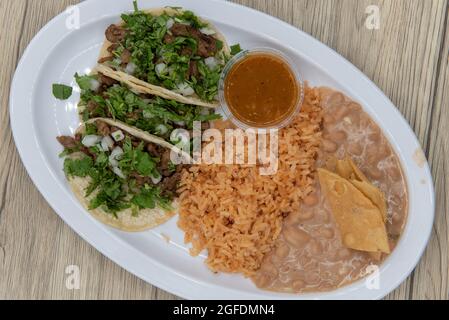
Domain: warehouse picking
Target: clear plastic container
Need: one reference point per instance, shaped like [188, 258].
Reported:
[283, 122]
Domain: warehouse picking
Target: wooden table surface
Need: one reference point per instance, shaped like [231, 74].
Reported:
[407, 57]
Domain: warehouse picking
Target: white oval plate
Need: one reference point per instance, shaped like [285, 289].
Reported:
[59, 50]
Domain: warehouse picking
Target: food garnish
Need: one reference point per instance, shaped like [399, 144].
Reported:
[284, 230]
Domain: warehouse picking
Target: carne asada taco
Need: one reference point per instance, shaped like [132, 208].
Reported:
[122, 176]
[105, 97]
[171, 52]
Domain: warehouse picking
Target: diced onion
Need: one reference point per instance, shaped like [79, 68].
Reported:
[207, 31]
[118, 135]
[118, 172]
[107, 143]
[211, 62]
[162, 129]
[185, 89]
[90, 140]
[161, 68]
[94, 84]
[157, 179]
[170, 23]
[130, 68]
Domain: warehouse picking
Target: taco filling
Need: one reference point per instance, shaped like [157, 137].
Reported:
[105, 97]
[124, 172]
[175, 50]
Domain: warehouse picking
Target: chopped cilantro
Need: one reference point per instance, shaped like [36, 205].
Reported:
[219, 44]
[144, 164]
[61, 91]
[111, 197]
[135, 159]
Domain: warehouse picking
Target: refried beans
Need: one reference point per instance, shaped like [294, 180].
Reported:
[309, 255]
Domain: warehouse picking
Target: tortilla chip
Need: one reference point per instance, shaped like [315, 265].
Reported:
[125, 219]
[158, 90]
[374, 194]
[360, 222]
